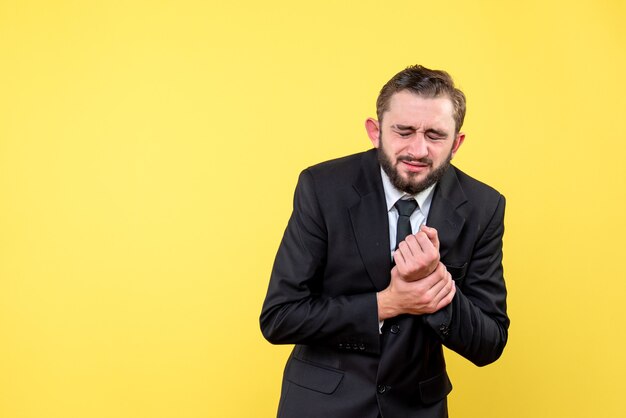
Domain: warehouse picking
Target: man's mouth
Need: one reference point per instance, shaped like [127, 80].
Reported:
[415, 165]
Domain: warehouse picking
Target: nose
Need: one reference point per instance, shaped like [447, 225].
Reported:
[418, 147]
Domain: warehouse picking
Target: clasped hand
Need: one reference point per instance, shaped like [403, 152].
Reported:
[418, 255]
[420, 283]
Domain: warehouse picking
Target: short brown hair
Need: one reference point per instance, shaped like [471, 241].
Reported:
[423, 82]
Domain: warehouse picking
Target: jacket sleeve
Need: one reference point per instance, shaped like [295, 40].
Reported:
[475, 324]
[296, 308]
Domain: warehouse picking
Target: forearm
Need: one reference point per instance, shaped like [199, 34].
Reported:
[469, 331]
[333, 321]
[476, 324]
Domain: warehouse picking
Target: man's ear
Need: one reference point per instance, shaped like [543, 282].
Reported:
[458, 141]
[373, 131]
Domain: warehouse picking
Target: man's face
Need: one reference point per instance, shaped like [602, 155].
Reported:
[419, 140]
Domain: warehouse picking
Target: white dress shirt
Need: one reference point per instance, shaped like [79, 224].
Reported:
[418, 217]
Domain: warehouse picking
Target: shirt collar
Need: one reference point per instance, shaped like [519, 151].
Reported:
[392, 195]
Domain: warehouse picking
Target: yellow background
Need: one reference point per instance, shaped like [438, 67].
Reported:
[148, 154]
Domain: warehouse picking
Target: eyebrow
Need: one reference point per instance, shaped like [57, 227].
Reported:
[412, 128]
[403, 127]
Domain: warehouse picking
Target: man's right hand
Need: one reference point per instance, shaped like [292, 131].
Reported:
[423, 296]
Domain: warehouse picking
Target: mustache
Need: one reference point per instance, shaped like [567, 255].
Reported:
[410, 159]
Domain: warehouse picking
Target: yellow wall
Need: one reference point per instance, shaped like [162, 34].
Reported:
[148, 154]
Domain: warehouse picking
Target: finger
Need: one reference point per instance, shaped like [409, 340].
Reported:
[405, 250]
[447, 299]
[446, 288]
[432, 234]
[435, 280]
[438, 290]
[399, 257]
[413, 245]
[425, 243]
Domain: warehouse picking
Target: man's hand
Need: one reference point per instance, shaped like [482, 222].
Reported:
[418, 255]
[417, 297]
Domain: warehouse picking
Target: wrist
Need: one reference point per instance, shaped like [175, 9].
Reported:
[385, 308]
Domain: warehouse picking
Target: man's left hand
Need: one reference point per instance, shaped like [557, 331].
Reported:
[418, 255]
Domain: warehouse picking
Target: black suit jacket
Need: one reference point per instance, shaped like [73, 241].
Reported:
[332, 260]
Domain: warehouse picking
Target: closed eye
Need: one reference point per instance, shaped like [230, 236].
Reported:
[436, 135]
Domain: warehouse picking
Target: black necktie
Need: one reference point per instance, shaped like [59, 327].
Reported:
[405, 209]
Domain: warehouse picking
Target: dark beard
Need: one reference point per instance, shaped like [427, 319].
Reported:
[408, 186]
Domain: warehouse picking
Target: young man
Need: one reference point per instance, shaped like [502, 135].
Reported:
[388, 255]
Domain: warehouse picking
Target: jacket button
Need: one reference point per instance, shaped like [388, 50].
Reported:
[444, 330]
[361, 346]
[381, 389]
[395, 329]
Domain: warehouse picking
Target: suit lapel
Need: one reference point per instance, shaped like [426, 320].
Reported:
[447, 214]
[370, 222]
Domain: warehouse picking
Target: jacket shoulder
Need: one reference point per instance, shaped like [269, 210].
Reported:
[475, 188]
[339, 182]
[343, 170]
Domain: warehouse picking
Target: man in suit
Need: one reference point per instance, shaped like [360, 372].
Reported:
[365, 290]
